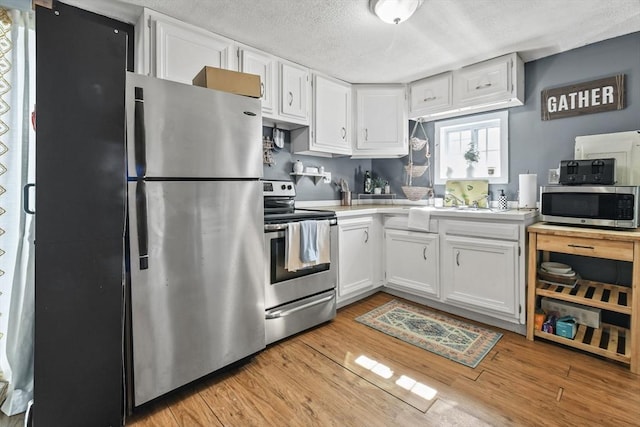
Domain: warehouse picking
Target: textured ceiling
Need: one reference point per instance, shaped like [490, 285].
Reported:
[344, 39]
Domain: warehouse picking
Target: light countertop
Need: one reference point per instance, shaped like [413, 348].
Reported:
[391, 209]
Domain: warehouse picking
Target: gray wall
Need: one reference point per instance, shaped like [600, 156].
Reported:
[534, 145]
[340, 167]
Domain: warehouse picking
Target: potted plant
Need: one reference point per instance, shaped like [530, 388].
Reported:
[378, 184]
[472, 156]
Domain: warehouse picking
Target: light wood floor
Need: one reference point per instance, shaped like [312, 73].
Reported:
[312, 380]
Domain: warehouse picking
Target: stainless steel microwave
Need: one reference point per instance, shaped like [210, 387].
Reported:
[600, 206]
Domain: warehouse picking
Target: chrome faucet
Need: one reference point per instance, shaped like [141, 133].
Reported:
[474, 204]
[458, 200]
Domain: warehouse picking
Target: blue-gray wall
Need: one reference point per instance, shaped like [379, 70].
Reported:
[534, 145]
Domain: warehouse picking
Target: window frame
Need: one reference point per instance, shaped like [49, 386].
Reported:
[466, 122]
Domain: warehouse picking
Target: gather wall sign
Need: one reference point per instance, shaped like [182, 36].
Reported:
[583, 98]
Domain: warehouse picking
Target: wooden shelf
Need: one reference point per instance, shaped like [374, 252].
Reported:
[594, 294]
[609, 341]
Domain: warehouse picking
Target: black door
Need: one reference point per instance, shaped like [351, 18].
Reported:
[81, 59]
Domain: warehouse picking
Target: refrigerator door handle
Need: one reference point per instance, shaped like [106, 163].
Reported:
[141, 221]
[140, 134]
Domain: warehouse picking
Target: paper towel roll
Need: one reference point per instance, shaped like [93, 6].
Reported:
[527, 189]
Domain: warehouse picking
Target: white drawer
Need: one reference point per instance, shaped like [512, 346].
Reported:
[490, 230]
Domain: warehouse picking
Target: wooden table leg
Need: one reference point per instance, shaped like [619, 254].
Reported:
[531, 283]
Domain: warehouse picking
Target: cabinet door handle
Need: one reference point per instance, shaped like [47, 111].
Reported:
[366, 233]
[290, 98]
[430, 98]
[261, 90]
[458, 258]
[482, 86]
[25, 198]
[366, 134]
[581, 246]
[344, 132]
[424, 253]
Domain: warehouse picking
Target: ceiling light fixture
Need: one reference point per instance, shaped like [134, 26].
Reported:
[394, 11]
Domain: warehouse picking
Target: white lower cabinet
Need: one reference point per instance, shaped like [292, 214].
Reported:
[411, 262]
[481, 275]
[358, 256]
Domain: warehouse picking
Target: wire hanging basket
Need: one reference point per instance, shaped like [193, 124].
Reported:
[416, 143]
[416, 170]
[415, 193]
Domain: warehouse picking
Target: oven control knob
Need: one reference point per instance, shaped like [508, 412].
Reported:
[284, 187]
[289, 187]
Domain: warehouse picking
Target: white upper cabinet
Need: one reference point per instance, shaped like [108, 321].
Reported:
[430, 95]
[264, 65]
[330, 131]
[486, 86]
[381, 121]
[177, 51]
[488, 81]
[294, 92]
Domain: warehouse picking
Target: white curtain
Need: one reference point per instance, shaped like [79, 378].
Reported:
[17, 162]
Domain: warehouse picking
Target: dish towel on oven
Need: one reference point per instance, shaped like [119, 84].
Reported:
[293, 262]
[419, 219]
[308, 241]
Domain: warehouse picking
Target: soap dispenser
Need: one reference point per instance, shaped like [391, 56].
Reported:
[502, 201]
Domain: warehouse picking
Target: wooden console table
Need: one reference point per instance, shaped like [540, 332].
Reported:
[610, 341]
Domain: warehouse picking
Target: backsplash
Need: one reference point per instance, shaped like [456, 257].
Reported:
[351, 170]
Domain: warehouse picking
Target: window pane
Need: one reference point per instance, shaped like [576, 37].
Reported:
[487, 133]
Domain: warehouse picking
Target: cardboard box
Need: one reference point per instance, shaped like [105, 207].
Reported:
[229, 81]
[584, 315]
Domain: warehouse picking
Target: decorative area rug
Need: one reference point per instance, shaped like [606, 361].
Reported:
[451, 338]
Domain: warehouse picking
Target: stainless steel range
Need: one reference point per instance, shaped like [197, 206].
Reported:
[300, 299]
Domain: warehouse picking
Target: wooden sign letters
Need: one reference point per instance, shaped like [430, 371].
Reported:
[583, 98]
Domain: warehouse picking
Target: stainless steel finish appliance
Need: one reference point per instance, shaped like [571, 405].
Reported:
[196, 232]
[588, 172]
[601, 206]
[294, 301]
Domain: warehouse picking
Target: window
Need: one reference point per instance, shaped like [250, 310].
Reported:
[474, 147]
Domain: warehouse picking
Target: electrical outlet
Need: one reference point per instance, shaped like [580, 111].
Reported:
[554, 176]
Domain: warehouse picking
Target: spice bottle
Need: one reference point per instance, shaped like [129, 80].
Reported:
[367, 182]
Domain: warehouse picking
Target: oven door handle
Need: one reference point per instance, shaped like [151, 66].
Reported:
[275, 314]
[280, 227]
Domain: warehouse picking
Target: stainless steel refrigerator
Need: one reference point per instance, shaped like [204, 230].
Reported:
[196, 232]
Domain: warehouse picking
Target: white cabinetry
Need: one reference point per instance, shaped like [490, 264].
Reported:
[359, 256]
[480, 267]
[173, 50]
[432, 94]
[285, 88]
[264, 65]
[412, 261]
[293, 99]
[330, 131]
[381, 121]
[490, 85]
[485, 82]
